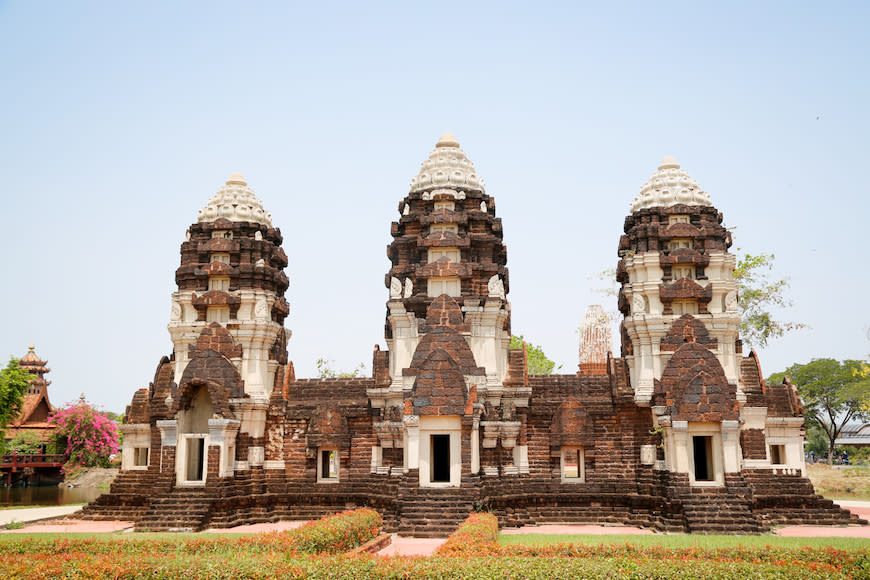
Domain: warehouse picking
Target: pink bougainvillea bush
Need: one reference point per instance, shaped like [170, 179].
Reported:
[91, 437]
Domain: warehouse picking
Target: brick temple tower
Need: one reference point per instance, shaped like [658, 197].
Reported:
[680, 340]
[207, 405]
[448, 329]
[232, 273]
[674, 261]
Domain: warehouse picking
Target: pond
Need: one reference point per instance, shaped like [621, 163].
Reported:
[47, 495]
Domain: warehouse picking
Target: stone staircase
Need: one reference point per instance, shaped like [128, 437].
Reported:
[789, 499]
[427, 512]
[718, 510]
[127, 498]
[181, 510]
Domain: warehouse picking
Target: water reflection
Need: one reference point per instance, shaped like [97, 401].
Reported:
[47, 495]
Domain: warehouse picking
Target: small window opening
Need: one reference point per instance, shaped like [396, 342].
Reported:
[452, 254]
[438, 286]
[140, 457]
[679, 272]
[328, 468]
[681, 307]
[220, 257]
[678, 243]
[445, 204]
[573, 470]
[777, 454]
[447, 228]
[219, 314]
[678, 219]
[219, 283]
[225, 234]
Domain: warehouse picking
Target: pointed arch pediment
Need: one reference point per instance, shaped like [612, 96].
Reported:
[694, 388]
[440, 387]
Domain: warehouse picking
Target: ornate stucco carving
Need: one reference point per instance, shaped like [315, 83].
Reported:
[496, 287]
[731, 301]
[175, 313]
[236, 202]
[447, 167]
[395, 288]
[595, 339]
[670, 185]
[638, 304]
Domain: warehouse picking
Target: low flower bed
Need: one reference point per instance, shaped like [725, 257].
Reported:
[471, 552]
[476, 535]
[338, 533]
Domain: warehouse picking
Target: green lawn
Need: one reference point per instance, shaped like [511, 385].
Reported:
[685, 541]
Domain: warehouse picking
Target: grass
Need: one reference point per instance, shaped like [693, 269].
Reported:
[684, 541]
[849, 483]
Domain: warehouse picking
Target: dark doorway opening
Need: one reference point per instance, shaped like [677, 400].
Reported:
[195, 458]
[702, 447]
[440, 458]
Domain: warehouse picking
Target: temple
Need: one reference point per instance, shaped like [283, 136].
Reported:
[679, 433]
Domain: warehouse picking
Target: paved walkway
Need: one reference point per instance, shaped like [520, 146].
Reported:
[402, 546]
[34, 514]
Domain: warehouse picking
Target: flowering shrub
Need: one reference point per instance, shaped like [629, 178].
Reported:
[267, 556]
[478, 535]
[337, 533]
[91, 437]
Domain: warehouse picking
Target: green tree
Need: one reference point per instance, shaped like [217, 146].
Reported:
[14, 382]
[25, 443]
[325, 371]
[833, 393]
[538, 362]
[757, 294]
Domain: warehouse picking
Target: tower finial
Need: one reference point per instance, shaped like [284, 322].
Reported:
[236, 179]
[32, 347]
[447, 140]
[669, 163]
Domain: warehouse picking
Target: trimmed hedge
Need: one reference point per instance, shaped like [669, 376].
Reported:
[478, 534]
[337, 533]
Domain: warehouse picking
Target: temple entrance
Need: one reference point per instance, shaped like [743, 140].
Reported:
[440, 458]
[191, 465]
[195, 458]
[702, 449]
[437, 451]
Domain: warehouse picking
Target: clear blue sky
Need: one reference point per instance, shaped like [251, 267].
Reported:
[118, 121]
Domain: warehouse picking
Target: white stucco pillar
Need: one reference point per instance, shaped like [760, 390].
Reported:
[680, 459]
[731, 446]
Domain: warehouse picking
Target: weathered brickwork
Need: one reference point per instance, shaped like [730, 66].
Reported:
[675, 435]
